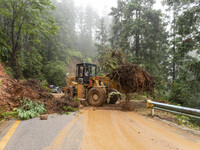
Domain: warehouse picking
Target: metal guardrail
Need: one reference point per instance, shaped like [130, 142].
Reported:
[190, 112]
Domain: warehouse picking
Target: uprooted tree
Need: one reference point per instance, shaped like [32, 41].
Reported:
[130, 77]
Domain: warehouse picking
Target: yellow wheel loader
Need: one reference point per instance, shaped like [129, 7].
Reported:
[86, 85]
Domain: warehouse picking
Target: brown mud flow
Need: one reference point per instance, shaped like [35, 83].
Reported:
[114, 129]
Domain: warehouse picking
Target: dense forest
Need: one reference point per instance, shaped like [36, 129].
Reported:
[38, 39]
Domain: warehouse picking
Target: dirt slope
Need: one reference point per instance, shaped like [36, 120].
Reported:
[112, 129]
[12, 91]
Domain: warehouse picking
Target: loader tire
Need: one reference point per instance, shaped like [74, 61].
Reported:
[113, 98]
[96, 96]
[69, 91]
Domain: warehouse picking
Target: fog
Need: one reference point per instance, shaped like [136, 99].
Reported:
[103, 6]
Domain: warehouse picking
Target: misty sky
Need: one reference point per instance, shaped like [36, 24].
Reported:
[103, 6]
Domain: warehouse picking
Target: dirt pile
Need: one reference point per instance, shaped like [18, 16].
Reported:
[131, 78]
[56, 105]
[127, 106]
[12, 90]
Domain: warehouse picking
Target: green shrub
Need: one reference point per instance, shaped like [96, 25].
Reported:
[9, 71]
[7, 115]
[180, 93]
[55, 73]
[45, 85]
[30, 109]
[68, 109]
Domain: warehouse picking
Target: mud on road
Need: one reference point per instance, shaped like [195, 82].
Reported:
[101, 129]
[114, 129]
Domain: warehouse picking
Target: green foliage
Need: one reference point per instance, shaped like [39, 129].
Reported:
[9, 71]
[76, 99]
[33, 64]
[102, 34]
[4, 47]
[30, 21]
[55, 72]
[110, 59]
[186, 93]
[136, 96]
[45, 86]
[30, 109]
[138, 29]
[180, 93]
[7, 115]
[69, 109]
[67, 113]
[73, 53]
[183, 119]
[187, 121]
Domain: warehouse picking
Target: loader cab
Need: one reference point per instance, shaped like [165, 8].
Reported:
[84, 71]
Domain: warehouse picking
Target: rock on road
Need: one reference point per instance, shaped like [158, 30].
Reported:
[93, 129]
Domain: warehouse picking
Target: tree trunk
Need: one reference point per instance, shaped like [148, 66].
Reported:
[137, 38]
[13, 62]
[174, 48]
[127, 97]
[137, 47]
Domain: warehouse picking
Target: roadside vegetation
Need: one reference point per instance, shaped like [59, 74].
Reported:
[30, 109]
[27, 110]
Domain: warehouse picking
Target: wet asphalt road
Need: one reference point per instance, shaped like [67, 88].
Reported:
[36, 134]
[93, 129]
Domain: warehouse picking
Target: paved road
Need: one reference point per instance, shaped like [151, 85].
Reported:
[99, 129]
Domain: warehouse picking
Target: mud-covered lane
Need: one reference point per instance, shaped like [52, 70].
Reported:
[109, 129]
[95, 129]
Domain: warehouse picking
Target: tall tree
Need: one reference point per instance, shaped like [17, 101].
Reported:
[87, 20]
[174, 7]
[186, 87]
[140, 31]
[102, 35]
[136, 27]
[28, 17]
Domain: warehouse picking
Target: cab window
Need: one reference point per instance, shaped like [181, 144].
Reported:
[80, 71]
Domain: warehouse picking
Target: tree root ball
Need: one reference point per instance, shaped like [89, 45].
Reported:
[131, 78]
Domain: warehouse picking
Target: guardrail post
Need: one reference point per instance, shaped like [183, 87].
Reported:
[152, 112]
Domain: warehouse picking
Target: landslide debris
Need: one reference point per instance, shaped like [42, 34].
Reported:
[131, 78]
[56, 105]
[11, 91]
